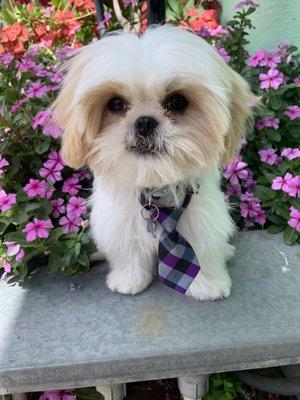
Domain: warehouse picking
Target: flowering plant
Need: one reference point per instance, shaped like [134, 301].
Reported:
[43, 203]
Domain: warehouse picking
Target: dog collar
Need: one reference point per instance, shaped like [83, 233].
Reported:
[177, 262]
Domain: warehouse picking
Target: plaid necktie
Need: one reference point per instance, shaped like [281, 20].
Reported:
[177, 262]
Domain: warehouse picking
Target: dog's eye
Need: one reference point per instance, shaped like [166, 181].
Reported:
[116, 104]
[176, 102]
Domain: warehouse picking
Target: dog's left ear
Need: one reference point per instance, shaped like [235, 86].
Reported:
[240, 115]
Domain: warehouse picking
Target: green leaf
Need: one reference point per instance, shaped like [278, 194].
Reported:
[264, 193]
[276, 219]
[42, 147]
[275, 101]
[295, 203]
[88, 394]
[21, 217]
[83, 259]
[54, 235]
[290, 236]
[32, 206]
[283, 211]
[18, 237]
[273, 135]
[276, 228]
[54, 261]
[77, 248]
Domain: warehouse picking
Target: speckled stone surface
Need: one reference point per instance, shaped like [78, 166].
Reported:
[51, 337]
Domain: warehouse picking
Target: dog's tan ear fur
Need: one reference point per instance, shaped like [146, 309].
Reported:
[70, 118]
[240, 114]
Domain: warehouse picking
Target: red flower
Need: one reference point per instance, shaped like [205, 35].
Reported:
[204, 19]
[13, 38]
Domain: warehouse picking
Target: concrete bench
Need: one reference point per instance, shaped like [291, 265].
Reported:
[53, 337]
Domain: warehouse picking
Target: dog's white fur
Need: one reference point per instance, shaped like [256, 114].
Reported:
[190, 147]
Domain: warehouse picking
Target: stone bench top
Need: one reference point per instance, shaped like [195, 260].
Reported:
[51, 337]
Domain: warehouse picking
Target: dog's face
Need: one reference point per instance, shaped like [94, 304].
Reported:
[151, 110]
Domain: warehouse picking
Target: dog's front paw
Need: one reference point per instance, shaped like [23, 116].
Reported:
[203, 288]
[127, 284]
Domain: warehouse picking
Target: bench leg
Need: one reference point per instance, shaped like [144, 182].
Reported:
[112, 392]
[193, 387]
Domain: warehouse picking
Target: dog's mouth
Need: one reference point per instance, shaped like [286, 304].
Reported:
[146, 146]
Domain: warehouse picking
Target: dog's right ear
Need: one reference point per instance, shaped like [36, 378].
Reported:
[70, 118]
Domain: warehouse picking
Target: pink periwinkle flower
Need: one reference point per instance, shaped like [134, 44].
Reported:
[268, 156]
[6, 59]
[267, 122]
[15, 250]
[7, 266]
[235, 171]
[51, 129]
[292, 112]
[40, 118]
[36, 187]
[71, 186]
[107, 17]
[281, 183]
[260, 217]
[246, 3]
[293, 187]
[273, 79]
[128, 2]
[36, 90]
[294, 221]
[219, 31]
[270, 60]
[256, 58]
[3, 163]
[57, 395]
[76, 206]
[6, 200]
[51, 171]
[81, 175]
[37, 229]
[18, 104]
[291, 154]
[50, 192]
[58, 207]
[249, 209]
[223, 53]
[55, 157]
[297, 81]
[70, 224]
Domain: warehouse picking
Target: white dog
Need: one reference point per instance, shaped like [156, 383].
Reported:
[160, 109]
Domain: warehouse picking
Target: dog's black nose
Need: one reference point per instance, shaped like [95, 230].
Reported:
[145, 125]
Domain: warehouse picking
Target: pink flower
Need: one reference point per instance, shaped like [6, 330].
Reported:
[293, 187]
[56, 158]
[37, 229]
[291, 153]
[268, 156]
[297, 81]
[81, 175]
[249, 209]
[272, 79]
[50, 129]
[267, 122]
[36, 187]
[51, 171]
[70, 224]
[223, 53]
[71, 186]
[292, 112]
[40, 118]
[256, 58]
[58, 207]
[15, 250]
[6, 200]
[280, 183]
[57, 395]
[76, 206]
[246, 3]
[36, 90]
[235, 171]
[270, 59]
[294, 221]
[3, 163]
[7, 266]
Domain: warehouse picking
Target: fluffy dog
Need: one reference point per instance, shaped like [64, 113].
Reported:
[159, 109]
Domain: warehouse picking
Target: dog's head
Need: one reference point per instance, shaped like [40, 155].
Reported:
[151, 109]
